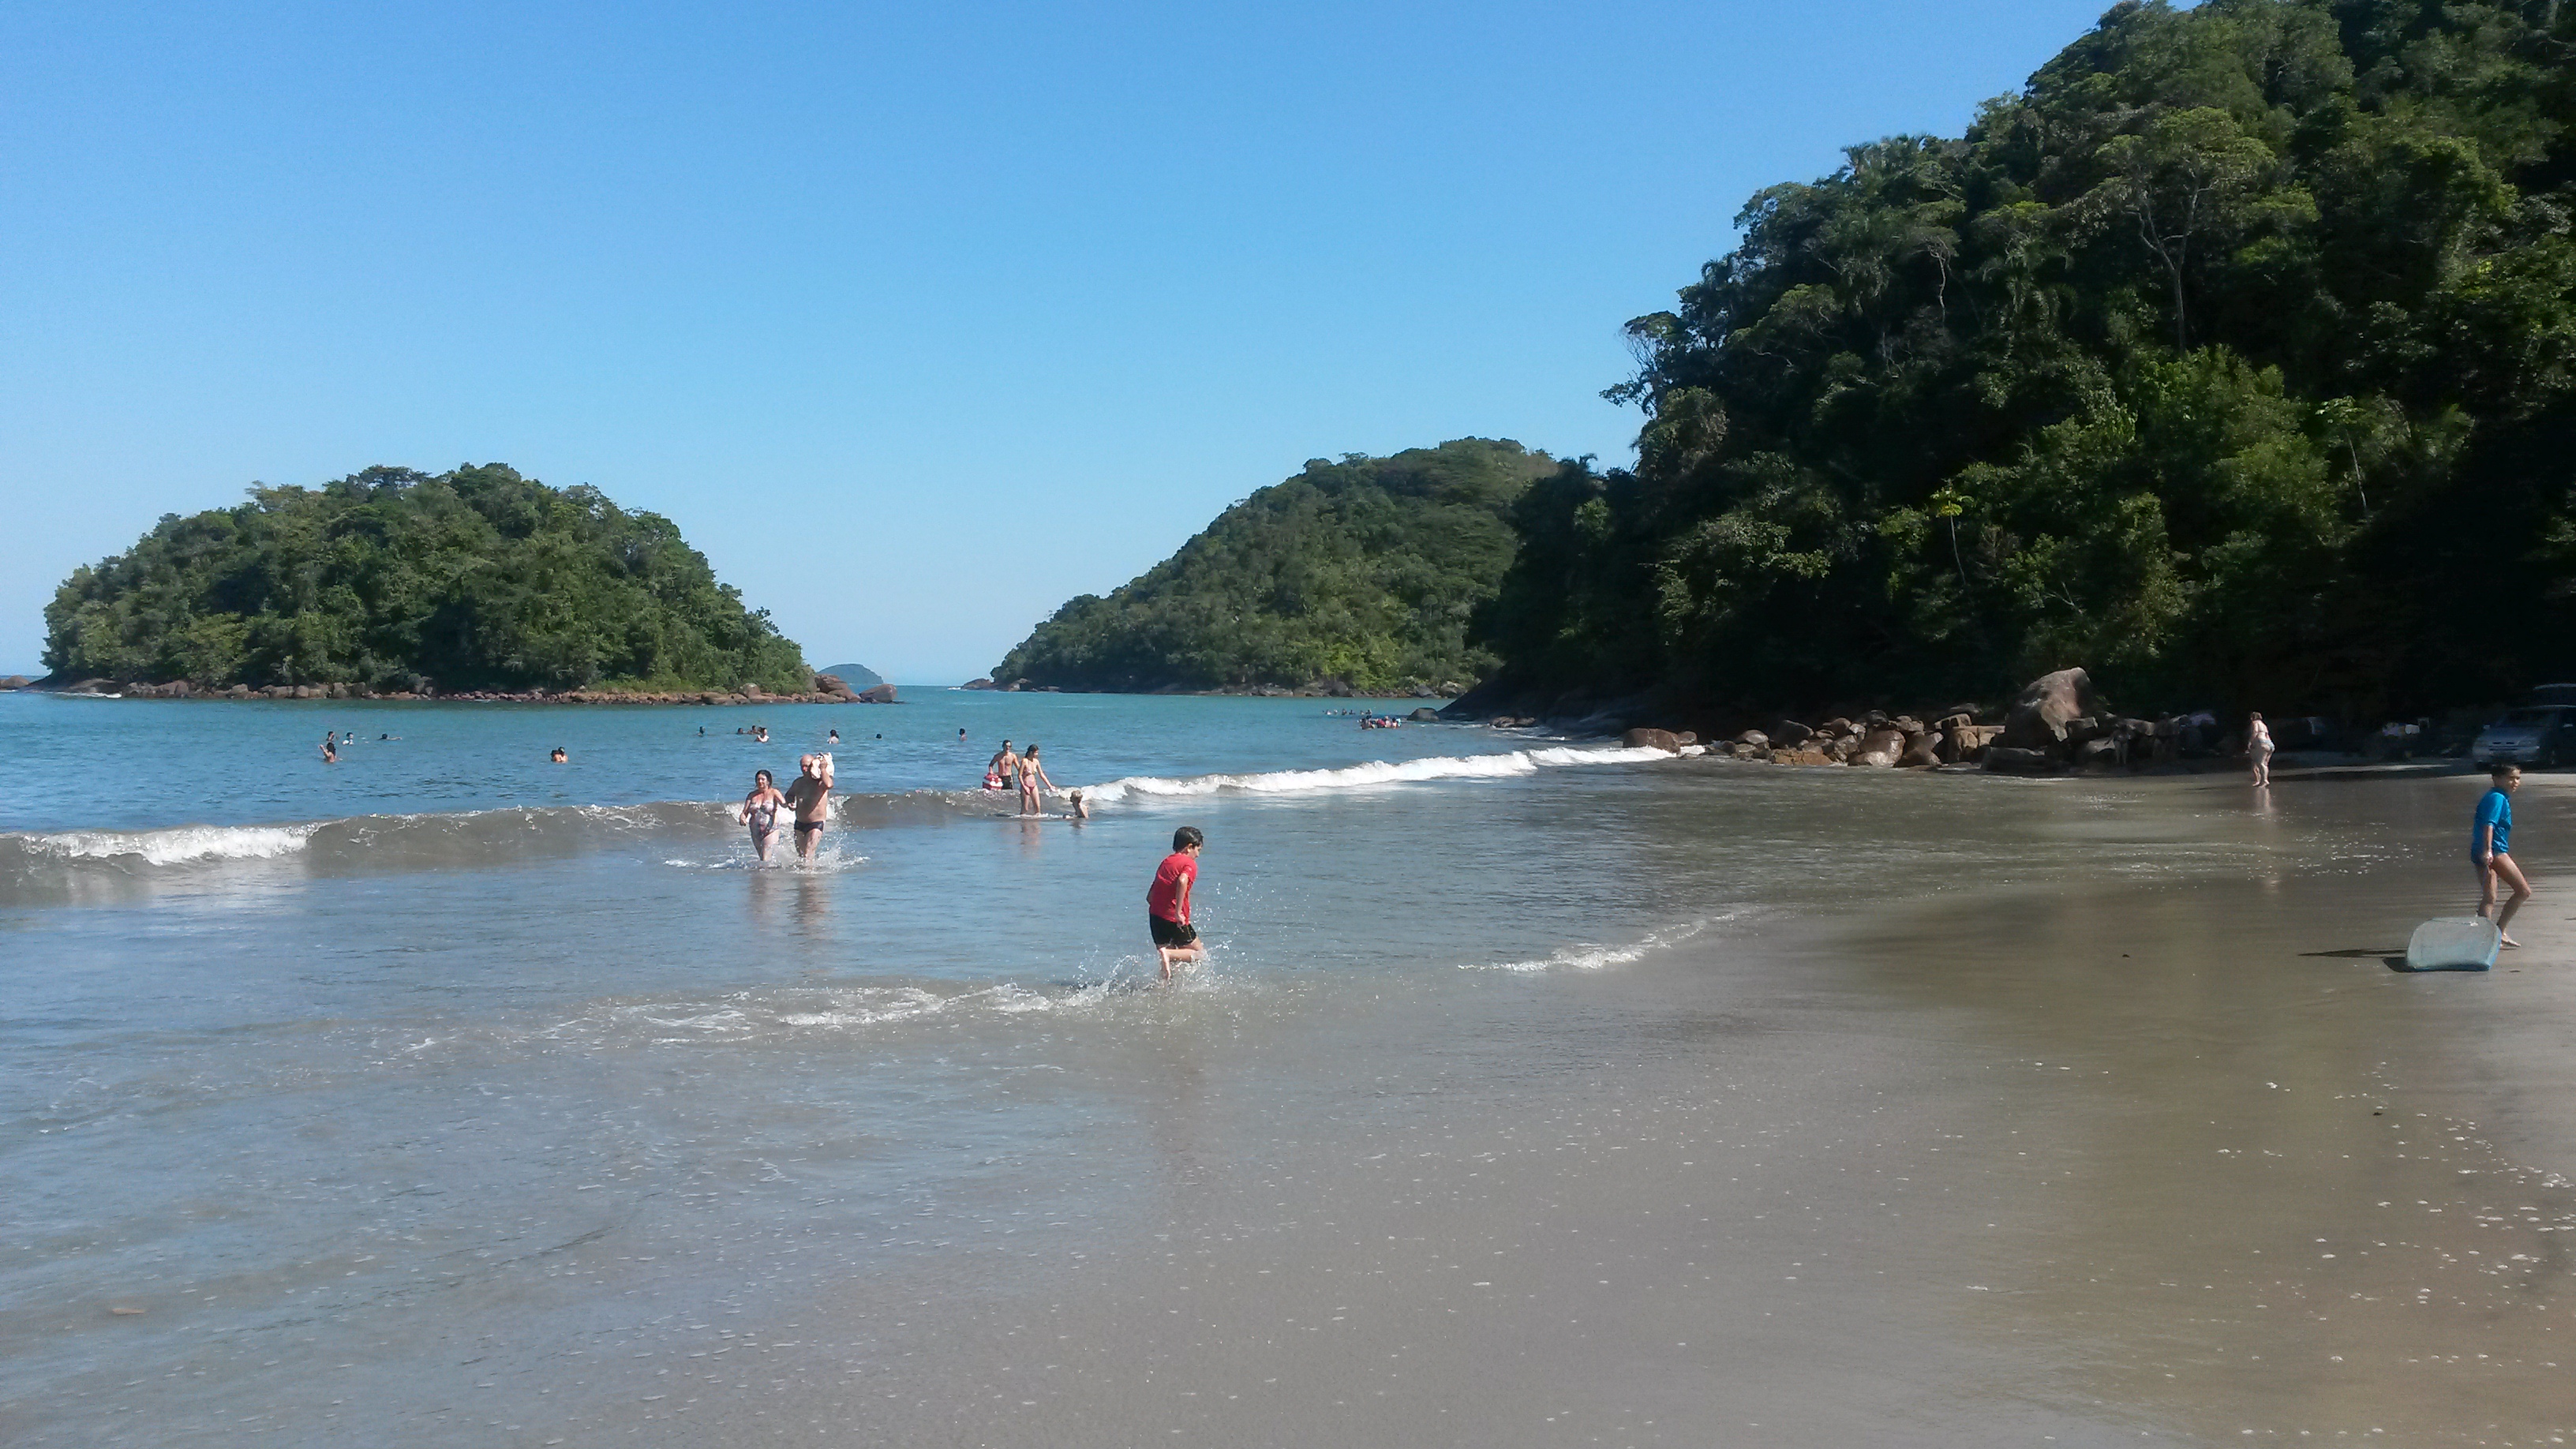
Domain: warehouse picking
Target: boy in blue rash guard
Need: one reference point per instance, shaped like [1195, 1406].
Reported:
[2491, 848]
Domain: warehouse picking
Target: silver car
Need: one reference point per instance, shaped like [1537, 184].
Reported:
[2537, 735]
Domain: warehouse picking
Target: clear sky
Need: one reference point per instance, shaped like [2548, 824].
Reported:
[917, 319]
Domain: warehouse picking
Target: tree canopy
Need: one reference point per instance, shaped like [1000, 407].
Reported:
[1365, 570]
[2230, 359]
[473, 579]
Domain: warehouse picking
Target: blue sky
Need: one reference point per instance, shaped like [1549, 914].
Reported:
[918, 320]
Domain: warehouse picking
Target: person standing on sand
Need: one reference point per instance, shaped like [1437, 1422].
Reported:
[1167, 901]
[760, 812]
[2258, 748]
[811, 796]
[2491, 847]
[1033, 778]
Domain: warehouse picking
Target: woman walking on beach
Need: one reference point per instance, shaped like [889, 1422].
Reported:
[760, 812]
[2491, 848]
[1033, 776]
[2258, 748]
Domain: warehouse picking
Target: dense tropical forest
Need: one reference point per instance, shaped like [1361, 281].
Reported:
[390, 578]
[2230, 359]
[1366, 571]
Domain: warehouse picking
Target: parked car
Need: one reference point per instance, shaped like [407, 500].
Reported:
[2540, 734]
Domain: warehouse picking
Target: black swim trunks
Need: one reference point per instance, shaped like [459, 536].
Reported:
[807, 826]
[1171, 933]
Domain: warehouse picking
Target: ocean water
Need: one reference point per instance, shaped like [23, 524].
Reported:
[447, 1096]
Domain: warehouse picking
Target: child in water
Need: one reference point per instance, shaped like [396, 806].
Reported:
[1167, 901]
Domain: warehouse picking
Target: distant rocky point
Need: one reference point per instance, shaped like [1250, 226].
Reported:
[859, 676]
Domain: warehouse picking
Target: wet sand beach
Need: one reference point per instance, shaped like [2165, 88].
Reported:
[1852, 1107]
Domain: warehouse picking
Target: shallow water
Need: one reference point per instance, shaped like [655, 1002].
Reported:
[1520, 1103]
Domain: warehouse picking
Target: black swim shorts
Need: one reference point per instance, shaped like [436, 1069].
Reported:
[1171, 933]
[803, 826]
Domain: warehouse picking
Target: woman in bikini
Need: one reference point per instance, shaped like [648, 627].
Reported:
[1033, 776]
[760, 812]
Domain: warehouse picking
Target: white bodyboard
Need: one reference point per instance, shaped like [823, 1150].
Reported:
[2454, 943]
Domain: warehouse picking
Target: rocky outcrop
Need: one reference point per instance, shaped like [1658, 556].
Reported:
[1645, 739]
[877, 694]
[2047, 707]
[1425, 715]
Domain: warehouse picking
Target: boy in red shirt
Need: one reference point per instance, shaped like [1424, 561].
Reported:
[1167, 901]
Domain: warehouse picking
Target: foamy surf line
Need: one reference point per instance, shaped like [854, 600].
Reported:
[175, 845]
[1504, 765]
[1597, 958]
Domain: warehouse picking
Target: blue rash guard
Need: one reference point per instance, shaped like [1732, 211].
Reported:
[2495, 808]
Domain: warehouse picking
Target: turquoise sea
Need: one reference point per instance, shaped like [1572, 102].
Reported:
[445, 1096]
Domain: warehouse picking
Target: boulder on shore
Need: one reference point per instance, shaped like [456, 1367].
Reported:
[2047, 708]
[1921, 751]
[14, 681]
[1755, 738]
[1642, 739]
[877, 694]
[1425, 715]
[1787, 733]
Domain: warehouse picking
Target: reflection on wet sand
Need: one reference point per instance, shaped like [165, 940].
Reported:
[2260, 1195]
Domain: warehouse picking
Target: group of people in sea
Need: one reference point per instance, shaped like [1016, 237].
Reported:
[808, 802]
[1011, 769]
[807, 799]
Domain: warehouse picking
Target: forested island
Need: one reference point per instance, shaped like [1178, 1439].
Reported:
[1360, 574]
[397, 581]
[2230, 359]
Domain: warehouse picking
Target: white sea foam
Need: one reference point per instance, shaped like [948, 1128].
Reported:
[1376, 772]
[1594, 958]
[177, 845]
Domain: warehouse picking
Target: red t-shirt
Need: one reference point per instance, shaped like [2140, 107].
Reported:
[1163, 897]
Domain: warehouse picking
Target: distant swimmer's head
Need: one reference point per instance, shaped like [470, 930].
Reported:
[1188, 837]
[558, 756]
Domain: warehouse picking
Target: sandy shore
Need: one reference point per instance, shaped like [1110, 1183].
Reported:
[1962, 1112]
[2102, 1153]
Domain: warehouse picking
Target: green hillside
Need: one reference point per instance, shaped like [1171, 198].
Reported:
[473, 579]
[2230, 359]
[1365, 570]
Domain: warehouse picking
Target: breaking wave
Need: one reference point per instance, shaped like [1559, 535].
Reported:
[1375, 772]
[97, 865]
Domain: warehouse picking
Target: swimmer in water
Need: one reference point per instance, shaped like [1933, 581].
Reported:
[1077, 808]
[330, 753]
[811, 795]
[835, 739]
[1033, 779]
[760, 811]
[558, 757]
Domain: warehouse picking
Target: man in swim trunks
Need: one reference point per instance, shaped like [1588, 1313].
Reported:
[1002, 772]
[1167, 901]
[2491, 848]
[810, 795]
